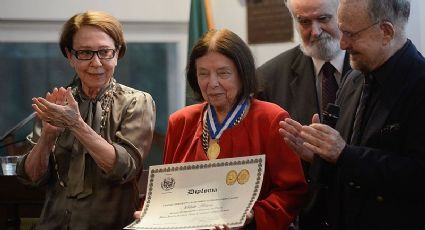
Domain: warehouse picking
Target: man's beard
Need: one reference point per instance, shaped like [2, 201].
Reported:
[325, 47]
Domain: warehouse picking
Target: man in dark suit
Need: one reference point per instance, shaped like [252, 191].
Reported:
[294, 78]
[378, 152]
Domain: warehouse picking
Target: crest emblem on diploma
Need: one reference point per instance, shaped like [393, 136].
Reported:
[168, 183]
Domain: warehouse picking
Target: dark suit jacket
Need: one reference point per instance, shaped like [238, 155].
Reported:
[288, 80]
[380, 184]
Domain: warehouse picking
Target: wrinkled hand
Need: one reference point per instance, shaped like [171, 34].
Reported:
[291, 130]
[249, 219]
[47, 127]
[137, 214]
[58, 110]
[322, 140]
[225, 227]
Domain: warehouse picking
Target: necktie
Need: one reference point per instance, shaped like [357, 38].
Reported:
[358, 120]
[329, 85]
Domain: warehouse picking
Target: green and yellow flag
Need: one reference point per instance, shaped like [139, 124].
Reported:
[200, 22]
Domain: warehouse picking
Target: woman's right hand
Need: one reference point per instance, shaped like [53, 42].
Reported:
[137, 214]
[37, 161]
[53, 97]
[58, 110]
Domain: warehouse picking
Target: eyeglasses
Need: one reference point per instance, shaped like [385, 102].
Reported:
[352, 35]
[88, 54]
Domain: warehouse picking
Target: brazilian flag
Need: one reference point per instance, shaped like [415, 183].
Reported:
[200, 22]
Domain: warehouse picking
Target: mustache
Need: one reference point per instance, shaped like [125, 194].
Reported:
[324, 46]
[324, 36]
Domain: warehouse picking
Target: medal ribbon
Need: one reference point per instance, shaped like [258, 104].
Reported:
[215, 128]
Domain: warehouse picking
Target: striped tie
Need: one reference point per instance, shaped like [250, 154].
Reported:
[329, 85]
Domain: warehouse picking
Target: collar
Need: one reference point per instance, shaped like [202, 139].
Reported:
[79, 95]
[337, 62]
[380, 75]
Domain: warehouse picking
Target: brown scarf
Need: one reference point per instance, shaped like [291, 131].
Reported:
[82, 166]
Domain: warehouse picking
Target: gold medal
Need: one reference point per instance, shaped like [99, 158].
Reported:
[231, 177]
[243, 176]
[213, 150]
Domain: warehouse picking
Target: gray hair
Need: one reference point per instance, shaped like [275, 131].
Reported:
[288, 4]
[395, 11]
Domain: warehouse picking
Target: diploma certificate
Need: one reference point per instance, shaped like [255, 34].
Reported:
[202, 194]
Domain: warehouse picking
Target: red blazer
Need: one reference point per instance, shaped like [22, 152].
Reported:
[283, 190]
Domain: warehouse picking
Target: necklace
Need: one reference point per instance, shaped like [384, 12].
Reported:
[106, 102]
[61, 182]
[213, 150]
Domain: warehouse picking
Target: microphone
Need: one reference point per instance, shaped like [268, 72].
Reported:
[321, 170]
[330, 115]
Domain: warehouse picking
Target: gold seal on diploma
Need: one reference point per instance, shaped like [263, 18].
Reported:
[213, 150]
[243, 176]
[231, 177]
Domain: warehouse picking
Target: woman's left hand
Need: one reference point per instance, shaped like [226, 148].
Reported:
[249, 219]
[61, 112]
[137, 214]
[225, 227]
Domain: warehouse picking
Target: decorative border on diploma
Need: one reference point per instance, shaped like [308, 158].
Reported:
[208, 164]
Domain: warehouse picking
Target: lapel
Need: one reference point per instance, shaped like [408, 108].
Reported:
[346, 67]
[304, 80]
[392, 88]
[303, 84]
[347, 99]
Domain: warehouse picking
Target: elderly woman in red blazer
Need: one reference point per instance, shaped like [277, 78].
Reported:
[230, 123]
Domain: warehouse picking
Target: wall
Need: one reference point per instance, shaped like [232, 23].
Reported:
[143, 21]
[232, 15]
[126, 10]
[229, 14]
[416, 26]
[154, 20]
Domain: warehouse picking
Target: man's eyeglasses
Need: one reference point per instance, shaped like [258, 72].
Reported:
[88, 54]
[352, 35]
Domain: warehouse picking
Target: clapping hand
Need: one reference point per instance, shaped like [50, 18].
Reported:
[315, 138]
[58, 110]
[291, 130]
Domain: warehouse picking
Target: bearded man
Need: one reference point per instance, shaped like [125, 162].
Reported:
[296, 79]
[293, 79]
